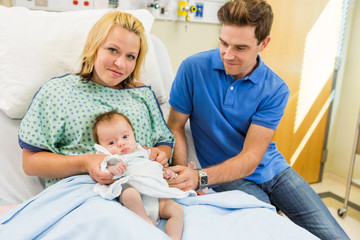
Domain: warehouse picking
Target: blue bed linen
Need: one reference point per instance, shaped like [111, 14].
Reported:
[70, 209]
[236, 215]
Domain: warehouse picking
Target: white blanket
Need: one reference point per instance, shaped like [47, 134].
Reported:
[143, 174]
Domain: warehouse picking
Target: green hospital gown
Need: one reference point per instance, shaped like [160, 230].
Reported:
[62, 113]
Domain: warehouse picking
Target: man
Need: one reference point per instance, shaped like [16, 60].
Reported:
[235, 103]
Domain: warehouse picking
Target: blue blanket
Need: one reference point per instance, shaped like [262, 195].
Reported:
[71, 209]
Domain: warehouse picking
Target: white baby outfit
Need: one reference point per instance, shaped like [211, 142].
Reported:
[144, 175]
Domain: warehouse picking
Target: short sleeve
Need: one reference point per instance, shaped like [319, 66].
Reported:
[272, 108]
[160, 134]
[44, 122]
[182, 90]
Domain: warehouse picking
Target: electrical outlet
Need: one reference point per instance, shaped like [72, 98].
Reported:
[43, 3]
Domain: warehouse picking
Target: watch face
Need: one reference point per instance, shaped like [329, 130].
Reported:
[203, 180]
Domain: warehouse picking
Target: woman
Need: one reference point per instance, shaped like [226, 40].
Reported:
[56, 132]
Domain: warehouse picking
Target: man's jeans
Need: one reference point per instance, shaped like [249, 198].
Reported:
[291, 194]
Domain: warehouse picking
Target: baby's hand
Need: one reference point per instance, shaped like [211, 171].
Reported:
[168, 174]
[117, 169]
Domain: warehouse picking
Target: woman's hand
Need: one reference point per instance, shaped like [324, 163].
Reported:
[158, 155]
[92, 166]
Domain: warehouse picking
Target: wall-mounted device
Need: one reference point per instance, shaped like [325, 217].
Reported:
[168, 10]
[185, 10]
[66, 5]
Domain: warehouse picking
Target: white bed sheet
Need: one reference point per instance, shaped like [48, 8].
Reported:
[15, 185]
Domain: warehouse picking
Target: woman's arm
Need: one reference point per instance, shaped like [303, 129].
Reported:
[52, 165]
[176, 124]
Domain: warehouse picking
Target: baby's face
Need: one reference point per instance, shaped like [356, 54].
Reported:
[117, 136]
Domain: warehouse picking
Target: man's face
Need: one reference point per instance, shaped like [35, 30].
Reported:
[239, 49]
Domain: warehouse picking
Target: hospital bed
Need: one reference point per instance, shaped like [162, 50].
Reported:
[37, 45]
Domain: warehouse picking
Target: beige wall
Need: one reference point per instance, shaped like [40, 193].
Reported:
[6, 3]
[347, 103]
[182, 43]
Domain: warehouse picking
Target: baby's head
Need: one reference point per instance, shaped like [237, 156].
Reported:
[114, 131]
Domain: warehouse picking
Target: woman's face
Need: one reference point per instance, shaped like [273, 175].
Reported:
[116, 58]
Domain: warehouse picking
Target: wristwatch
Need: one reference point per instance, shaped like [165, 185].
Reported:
[203, 179]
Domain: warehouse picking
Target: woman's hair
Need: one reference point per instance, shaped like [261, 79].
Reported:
[97, 37]
[257, 13]
[107, 117]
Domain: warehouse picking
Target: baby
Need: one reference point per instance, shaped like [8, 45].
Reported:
[114, 132]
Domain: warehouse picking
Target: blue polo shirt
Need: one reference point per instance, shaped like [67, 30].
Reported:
[222, 109]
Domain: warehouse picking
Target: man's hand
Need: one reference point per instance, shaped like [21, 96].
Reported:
[187, 179]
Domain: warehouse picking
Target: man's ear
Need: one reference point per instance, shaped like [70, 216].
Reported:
[264, 43]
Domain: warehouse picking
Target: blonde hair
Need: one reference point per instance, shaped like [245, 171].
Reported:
[97, 37]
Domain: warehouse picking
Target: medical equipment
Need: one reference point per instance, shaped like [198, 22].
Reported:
[172, 10]
[356, 151]
[66, 5]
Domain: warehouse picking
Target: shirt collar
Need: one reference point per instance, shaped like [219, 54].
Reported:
[256, 75]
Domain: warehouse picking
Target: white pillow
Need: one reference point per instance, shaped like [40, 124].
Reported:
[38, 45]
[151, 75]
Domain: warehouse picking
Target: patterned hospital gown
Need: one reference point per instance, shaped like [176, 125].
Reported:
[62, 113]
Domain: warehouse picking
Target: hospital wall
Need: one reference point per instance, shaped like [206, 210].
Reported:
[182, 42]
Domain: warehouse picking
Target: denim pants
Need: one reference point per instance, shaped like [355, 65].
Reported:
[291, 194]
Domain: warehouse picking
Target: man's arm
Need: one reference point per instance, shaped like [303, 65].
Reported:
[176, 123]
[242, 165]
